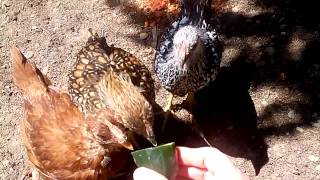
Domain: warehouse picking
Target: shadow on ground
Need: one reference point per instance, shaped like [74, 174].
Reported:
[227, 116]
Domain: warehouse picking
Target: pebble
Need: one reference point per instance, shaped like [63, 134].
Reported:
[230, 128]
[6, 3]
[283, 33]
[314, 115]
[5, 163]
[36, 28]
[283, 26]
[299, 129]
[257, 44]
[291, 114]
[248, 20]
[143, 35]
[316, 124]
[14, 16]
[318, 167]
[313, 158]
[28, 54]
[281, 19]
[270, 51]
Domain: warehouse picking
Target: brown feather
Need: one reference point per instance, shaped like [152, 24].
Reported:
[106, 76]
[60, 142]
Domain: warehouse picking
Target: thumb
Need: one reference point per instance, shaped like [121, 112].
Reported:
[143, 173]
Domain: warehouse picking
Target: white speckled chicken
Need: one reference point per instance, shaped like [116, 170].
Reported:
[188, 57]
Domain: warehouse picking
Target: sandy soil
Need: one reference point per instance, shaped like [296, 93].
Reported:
[263, 109]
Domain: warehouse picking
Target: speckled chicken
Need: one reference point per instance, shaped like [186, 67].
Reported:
[188, 57]
[106, 76]
[60, 142]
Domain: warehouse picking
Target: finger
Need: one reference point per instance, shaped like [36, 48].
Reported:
[197, 157]
[216, 163]
[143, 173]
[191, 172]
[182, 178]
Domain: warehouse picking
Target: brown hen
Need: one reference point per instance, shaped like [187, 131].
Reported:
[106, 76]
[60, 142]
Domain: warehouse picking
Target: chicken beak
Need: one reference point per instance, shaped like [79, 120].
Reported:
[127, 145]
[183, 52]
[153, 141]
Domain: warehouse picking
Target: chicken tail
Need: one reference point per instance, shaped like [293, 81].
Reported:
[195, 10]
[26, 75]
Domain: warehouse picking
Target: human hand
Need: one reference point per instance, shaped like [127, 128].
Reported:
[197, 163]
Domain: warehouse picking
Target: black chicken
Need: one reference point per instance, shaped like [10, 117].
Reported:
[188, 57]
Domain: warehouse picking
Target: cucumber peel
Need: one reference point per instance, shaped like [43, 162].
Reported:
[161, 159]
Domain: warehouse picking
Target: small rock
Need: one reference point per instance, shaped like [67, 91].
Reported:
[35, 28]
[314, 115]
[260, 63]
[296, 172]
[313, 158]
[291, 114]
[5, 163]
[143, 35]
[318, 167]
[283, 26]
[39, 30]
[14, 16]
[7, 87]
[6, 3]
[299, 129]
[257, 44]
[6, 20]
[230, 128]
[316, 124]
[248, 20]
[283, 33]
[270, 51]
[28, 54]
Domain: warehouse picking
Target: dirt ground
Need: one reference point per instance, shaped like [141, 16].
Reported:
[263, 109]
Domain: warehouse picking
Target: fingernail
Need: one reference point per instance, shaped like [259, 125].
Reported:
[143, 173]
